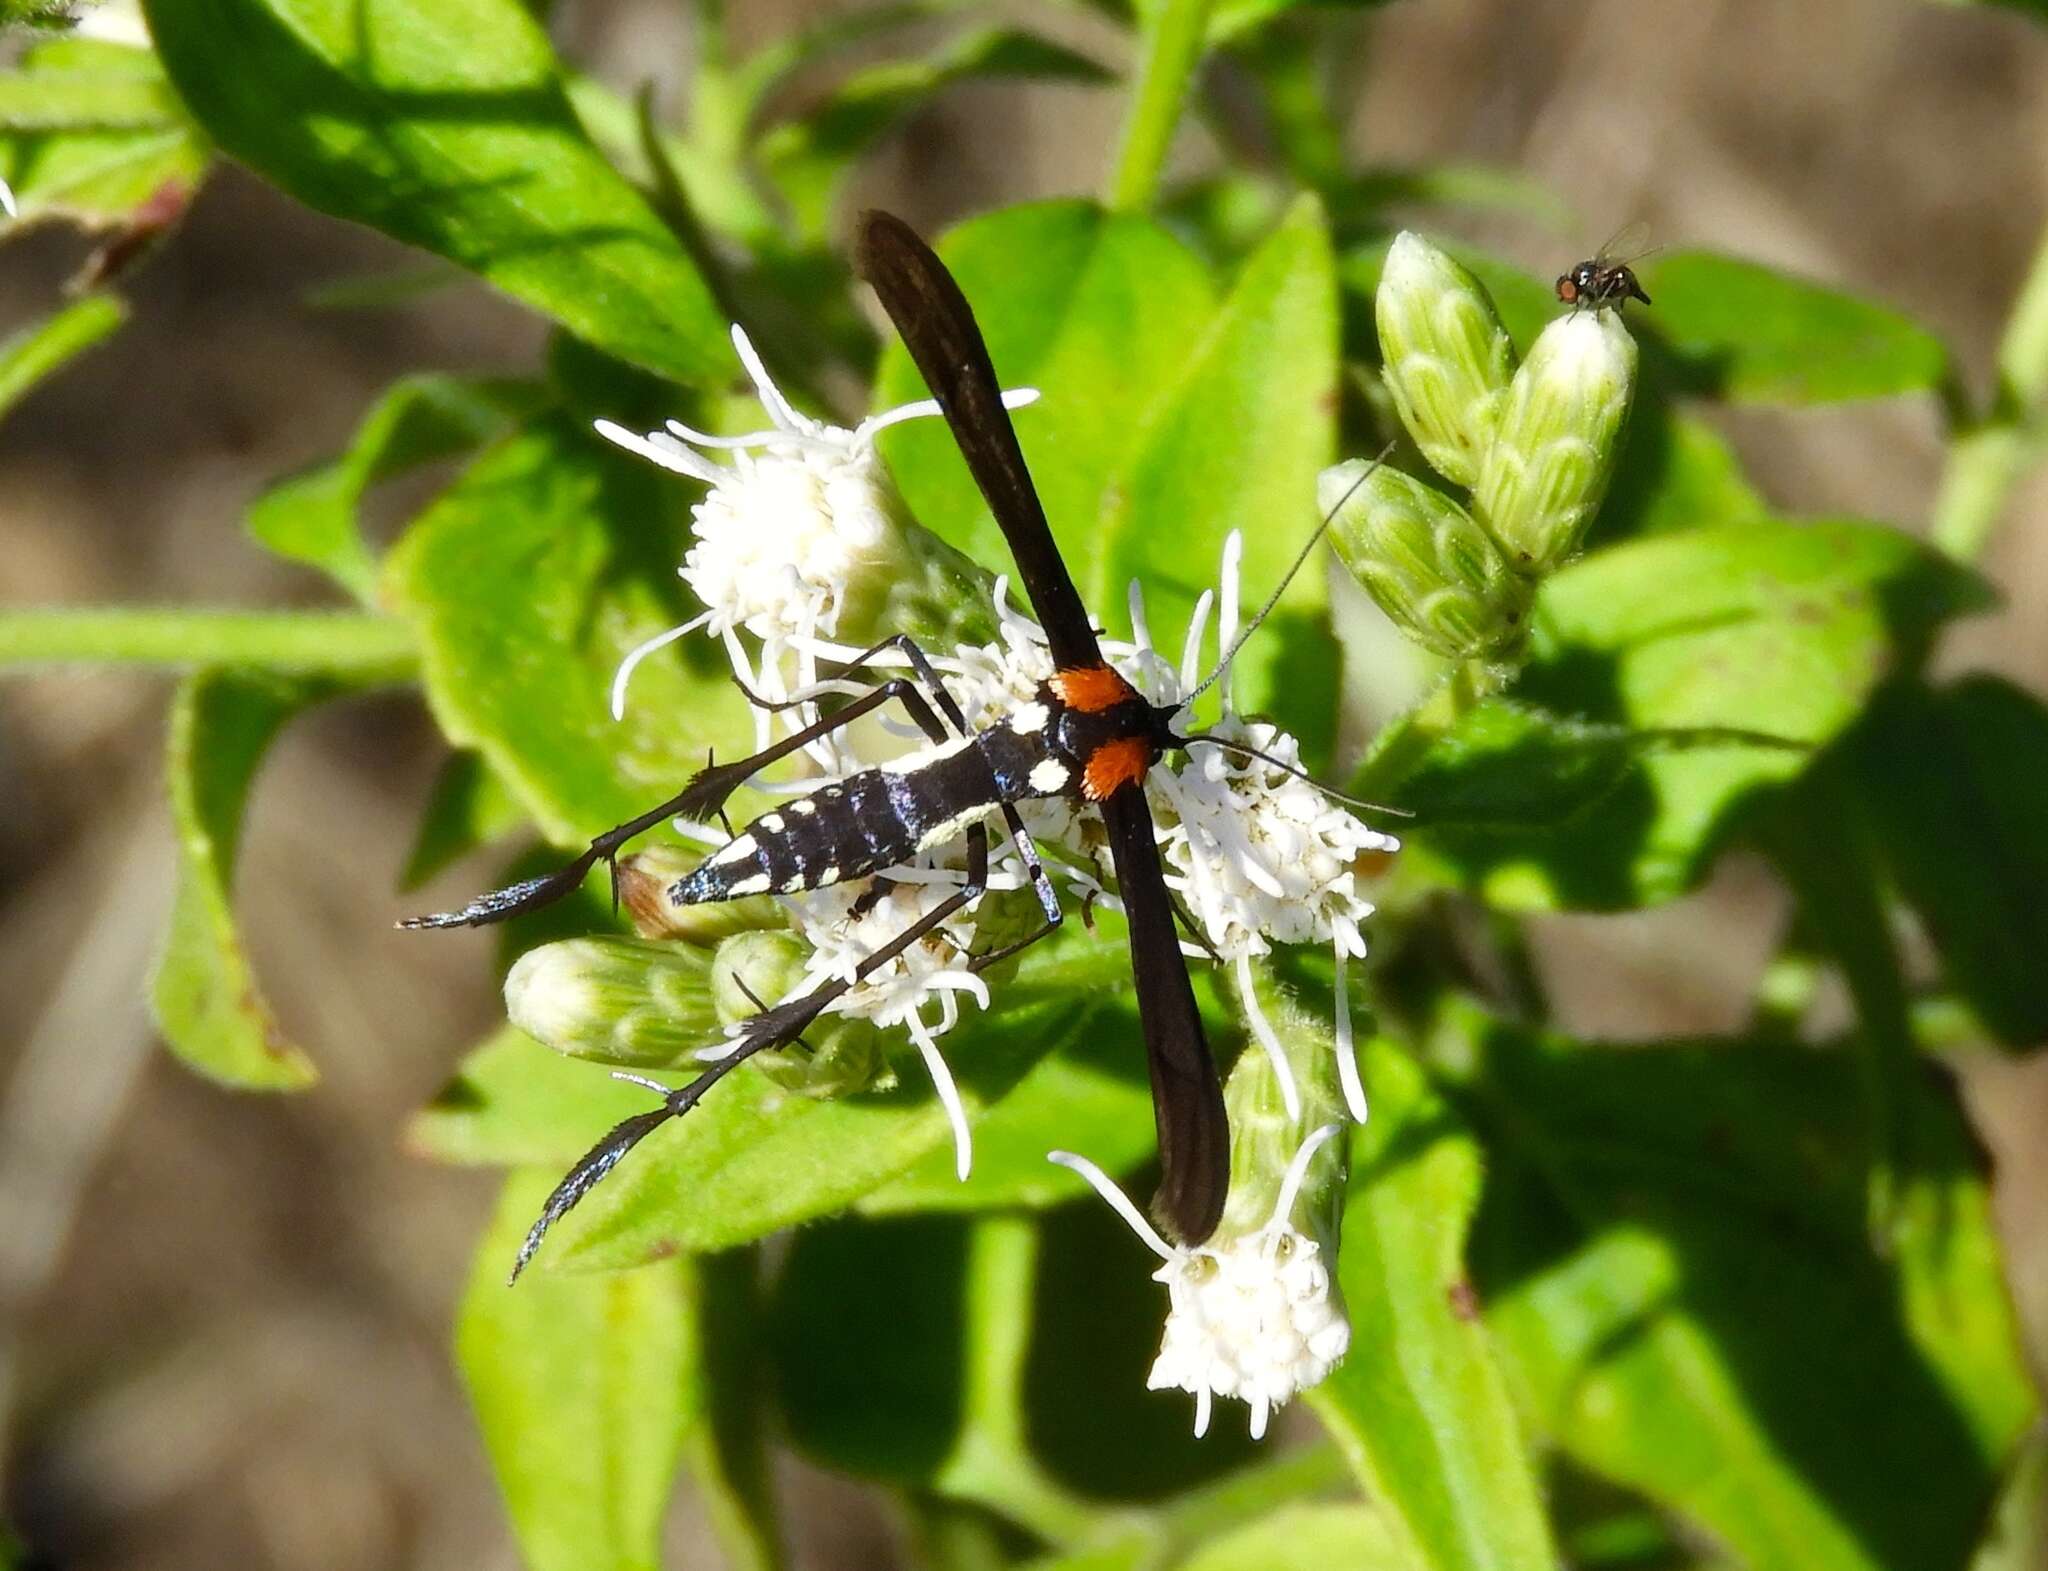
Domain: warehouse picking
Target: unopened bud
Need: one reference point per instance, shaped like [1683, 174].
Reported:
[617, 1000]
[836, 1055]
[1424, 560]
[644, 881]
[1559, 438]
[1446, 357]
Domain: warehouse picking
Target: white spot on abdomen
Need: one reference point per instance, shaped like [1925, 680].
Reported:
[1028, 719]
[1048, 776]
[757, 885]
[737, 849]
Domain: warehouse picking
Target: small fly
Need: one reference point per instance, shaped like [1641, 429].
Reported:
[1087, 736]
[1606, 278]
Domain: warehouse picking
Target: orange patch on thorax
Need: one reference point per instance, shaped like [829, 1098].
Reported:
[1119, 763]
[1091, 688]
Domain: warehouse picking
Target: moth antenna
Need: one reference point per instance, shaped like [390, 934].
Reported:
[1287, 578]
[1300, 774]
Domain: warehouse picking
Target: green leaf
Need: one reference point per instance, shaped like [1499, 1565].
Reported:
[1419, 1405]
[811, 158]
[1953, 780]
[203, 994]
[446, 126]
[91, 131]
[1749, 644]
[1512, 766]
[1745, 332]
[1238, 445]
[899, 1350]
[528, 580]
[1676, 472]
[1100, 323]
[47, 346]
[513, 1103]
[1305, 1538]
[583, 1388]
[470, 807]
[752, 1158]
[1091, 1096]
[1674, 1251]
[313, 517]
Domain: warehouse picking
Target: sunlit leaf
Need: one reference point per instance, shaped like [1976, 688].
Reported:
[528, 580]
[1743, 647]
[1237, 445]
[583, 1389]
[446, 126]
[1749, 333]
[1093, 309]
[1419, 1405]
[1306, 1538]
[203, 993]
[91, 132]
[1675, 1250]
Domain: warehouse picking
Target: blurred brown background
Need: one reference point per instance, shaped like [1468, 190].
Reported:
[223, 1318]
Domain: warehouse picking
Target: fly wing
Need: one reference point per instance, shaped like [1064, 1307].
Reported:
[1187, 1096]
[939, 330]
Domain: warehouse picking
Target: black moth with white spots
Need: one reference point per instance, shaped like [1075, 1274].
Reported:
[1087, 735]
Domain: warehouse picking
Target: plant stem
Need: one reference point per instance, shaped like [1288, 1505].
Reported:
[992, 1464]
[1991, 453]
[341, 643]
[1171, 48]
[1401, 746]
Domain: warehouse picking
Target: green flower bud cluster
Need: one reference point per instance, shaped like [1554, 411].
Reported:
[1533, 447]
[656, 1000]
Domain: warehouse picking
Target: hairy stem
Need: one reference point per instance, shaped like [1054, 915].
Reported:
[340, 643]
[1171, 49]
[1991, 453]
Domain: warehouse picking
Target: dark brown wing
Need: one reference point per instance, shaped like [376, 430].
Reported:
[1187, 1097]
[939, 330]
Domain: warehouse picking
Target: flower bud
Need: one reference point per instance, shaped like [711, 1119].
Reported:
[1560, 435]
[617, 1000]
[1446, 358]
[644, 881]
[838, 1054]
[1424, 560]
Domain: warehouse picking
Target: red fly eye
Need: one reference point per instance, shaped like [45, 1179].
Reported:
[1567, 291]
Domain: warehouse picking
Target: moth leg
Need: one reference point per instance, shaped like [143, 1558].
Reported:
[775, 1027]
[703, 796]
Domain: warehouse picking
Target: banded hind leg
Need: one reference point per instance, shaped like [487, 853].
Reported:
[772, 1027]
[704, 796]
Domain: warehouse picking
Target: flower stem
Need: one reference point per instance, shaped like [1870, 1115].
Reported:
[1171, 50]
[1992, 452]
[369, 649]
[1404, 743]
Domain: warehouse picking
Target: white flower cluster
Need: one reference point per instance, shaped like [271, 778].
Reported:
[1255, 1317]
[1261, 856]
